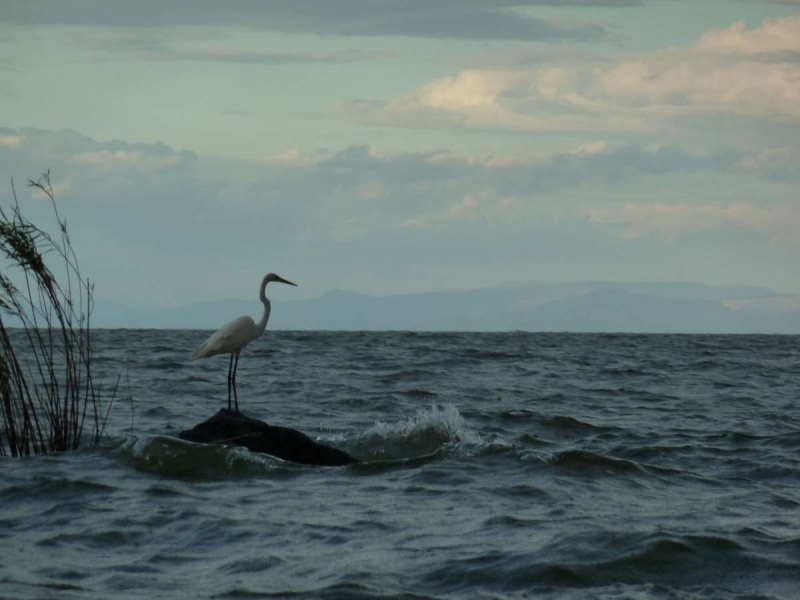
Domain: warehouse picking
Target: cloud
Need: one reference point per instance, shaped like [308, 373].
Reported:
[10, 141]
[780, 2]
[732, 71]
[237, 112]
[72, 149]
[122, 40]
[441, 188]
[388, 188]
[605, 164]
[592, 161]
[230, 55]
[774, 35]
[123, 159]
[463, 19]
[140, 213]
[464, 209]
[371, 190]
[150, 45]
[64, 143]
[674, 221]
[494, 99]
[346, 194]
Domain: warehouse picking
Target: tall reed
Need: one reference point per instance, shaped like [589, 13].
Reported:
[47, 390]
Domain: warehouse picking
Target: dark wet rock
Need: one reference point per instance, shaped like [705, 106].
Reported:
[228, 427]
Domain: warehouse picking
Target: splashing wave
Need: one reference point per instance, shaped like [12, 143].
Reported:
[424, 433]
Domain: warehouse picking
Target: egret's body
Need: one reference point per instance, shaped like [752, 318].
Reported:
[233, 337]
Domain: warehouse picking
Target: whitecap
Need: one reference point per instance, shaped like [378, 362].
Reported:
[423, 433]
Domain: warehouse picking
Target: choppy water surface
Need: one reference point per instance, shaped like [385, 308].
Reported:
[496, 465]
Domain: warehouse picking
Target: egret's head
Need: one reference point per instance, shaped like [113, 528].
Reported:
[273, 277]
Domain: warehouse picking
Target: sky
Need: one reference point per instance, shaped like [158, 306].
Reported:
[391, 147]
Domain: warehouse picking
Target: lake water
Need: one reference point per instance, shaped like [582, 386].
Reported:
[508, 465]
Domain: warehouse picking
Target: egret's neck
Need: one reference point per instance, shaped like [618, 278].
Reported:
[262, 324]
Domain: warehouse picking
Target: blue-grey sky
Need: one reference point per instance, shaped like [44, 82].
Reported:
[389, 147]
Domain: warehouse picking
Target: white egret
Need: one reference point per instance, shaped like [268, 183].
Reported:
[233, 337]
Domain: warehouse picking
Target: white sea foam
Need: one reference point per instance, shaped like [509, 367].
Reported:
[424, 432]
[444, 420]
[174, 457]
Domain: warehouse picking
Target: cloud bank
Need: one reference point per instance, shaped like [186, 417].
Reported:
[463, 19]
[734, 71]
[143, 212]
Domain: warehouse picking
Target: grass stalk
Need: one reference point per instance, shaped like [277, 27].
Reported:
[47, 388]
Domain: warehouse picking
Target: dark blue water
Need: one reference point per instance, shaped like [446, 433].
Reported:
[496, 466]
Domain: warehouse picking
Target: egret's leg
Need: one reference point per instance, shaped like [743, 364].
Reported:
[235, 395]
[230, 371]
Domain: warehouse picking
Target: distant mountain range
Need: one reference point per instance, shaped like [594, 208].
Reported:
[593, 306]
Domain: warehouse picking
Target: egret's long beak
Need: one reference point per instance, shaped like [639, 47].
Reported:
[282, 280]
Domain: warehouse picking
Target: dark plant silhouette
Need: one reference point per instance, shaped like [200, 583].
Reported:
[47, 390]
